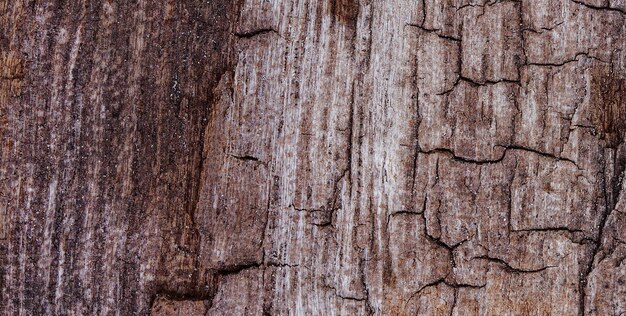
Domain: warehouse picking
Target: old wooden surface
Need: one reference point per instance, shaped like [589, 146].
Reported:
[301, 157]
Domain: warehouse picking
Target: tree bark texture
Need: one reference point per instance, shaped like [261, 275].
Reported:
[301, 157]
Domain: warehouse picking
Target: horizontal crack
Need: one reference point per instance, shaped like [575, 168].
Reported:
[236, 268]
[434, 31]
[344, 297]
[404, 212]
[540, 153]
[328, 211]
[497, 160]
[594, 7]
[562, 63]
[477, 83]
[282, 265]
[247, 158]
[486, 4]
[509, 268]
[544, 28]
[257, 32]
[444, 282]
[488, 82]
[314, 210]
[460, 158]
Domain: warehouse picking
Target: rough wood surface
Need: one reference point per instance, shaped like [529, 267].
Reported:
[298, 157]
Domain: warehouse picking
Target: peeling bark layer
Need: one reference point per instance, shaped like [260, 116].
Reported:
[313, 157]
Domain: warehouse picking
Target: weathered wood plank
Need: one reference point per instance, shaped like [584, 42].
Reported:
[313, 157]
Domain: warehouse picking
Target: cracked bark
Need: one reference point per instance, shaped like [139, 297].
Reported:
[313, 157]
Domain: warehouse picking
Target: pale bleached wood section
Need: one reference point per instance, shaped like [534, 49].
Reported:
[298, 157]
[469, 185]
